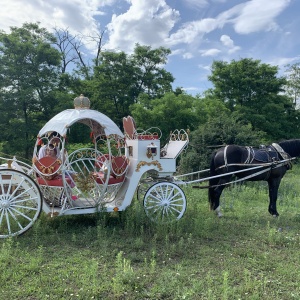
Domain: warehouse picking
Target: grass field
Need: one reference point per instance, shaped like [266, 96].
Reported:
[247, 254]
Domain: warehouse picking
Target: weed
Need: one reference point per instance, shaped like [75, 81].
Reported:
[247, 254]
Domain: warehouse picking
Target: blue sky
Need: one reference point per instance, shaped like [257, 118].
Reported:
[197, 31]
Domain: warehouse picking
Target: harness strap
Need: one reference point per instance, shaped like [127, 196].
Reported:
[225, 156]
[283, 154]
[248, 161]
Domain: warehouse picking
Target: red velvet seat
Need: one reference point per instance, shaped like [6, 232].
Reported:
[48, 168]
[100, 178]
[56, 181]
[101, 160]
[119, 166]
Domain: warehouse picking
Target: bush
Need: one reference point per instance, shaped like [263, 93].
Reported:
[214, 134]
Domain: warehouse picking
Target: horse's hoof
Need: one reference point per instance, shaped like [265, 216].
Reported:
[275, 216]
[218, 212]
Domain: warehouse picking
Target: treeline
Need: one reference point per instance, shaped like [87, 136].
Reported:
[41, 73]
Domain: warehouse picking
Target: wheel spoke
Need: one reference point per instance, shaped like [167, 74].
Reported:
[175, 196]
[20, 202]
[154, 199]
[172, 209]
[165, 202]
[16, 188]
[24, 207]
[15, 218]
[1, 217]
[154, 208]
[20, 214]
[168, 195]
[7, 222]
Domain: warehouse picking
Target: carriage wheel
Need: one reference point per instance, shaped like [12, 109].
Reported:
[20, 202]
[164, 202]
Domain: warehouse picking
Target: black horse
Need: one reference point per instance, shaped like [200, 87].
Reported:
[268, 163]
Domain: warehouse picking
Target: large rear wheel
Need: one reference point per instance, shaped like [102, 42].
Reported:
[164, 202]
[20, 202]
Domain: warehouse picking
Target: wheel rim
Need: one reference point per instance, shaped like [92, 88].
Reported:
[164, 202]
[20, 203]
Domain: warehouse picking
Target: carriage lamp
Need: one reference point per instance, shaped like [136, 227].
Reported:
[151, 150]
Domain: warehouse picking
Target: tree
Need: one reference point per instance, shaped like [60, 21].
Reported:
[152, 79]
[120, 79]
[167, 113]
[29, 73]
[217, 132]
[72, 50]
[293, 82]
[208, 107]
[254, 92]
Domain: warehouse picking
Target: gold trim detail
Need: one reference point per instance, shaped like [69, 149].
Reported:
[144, 163]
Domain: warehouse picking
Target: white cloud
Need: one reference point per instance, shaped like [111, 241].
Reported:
[187, 55]
[205, 67]
[259, 15]
[156, 23]
[234, 49]
[76, 15]
[145, 22]
[281, 62]
[177, 51]
[228, 42]
[191, 31]
[210, 52]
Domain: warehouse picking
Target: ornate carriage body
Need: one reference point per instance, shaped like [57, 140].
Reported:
[100, 178]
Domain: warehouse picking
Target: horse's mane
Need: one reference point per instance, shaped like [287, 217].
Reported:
[292, 147]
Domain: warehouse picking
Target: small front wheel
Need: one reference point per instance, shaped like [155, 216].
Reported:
[164, 202]
[20, 202]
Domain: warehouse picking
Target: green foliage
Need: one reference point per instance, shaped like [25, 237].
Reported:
[245, 82]
[293, 81]
[28, 68]
[209, 107]
[215, 133]
[120, 79]
[168, 113]
[254, 91]
[34, 86]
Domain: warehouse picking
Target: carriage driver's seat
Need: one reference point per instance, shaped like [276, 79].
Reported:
[48, 168]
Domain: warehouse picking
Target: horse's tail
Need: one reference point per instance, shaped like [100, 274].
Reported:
[212, 182]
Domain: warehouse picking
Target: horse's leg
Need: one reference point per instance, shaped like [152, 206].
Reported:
[215, 194]
[273, 193]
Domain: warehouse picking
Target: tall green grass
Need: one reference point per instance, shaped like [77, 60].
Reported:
[247, 254]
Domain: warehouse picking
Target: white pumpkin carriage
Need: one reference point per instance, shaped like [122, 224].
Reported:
[102, 178]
